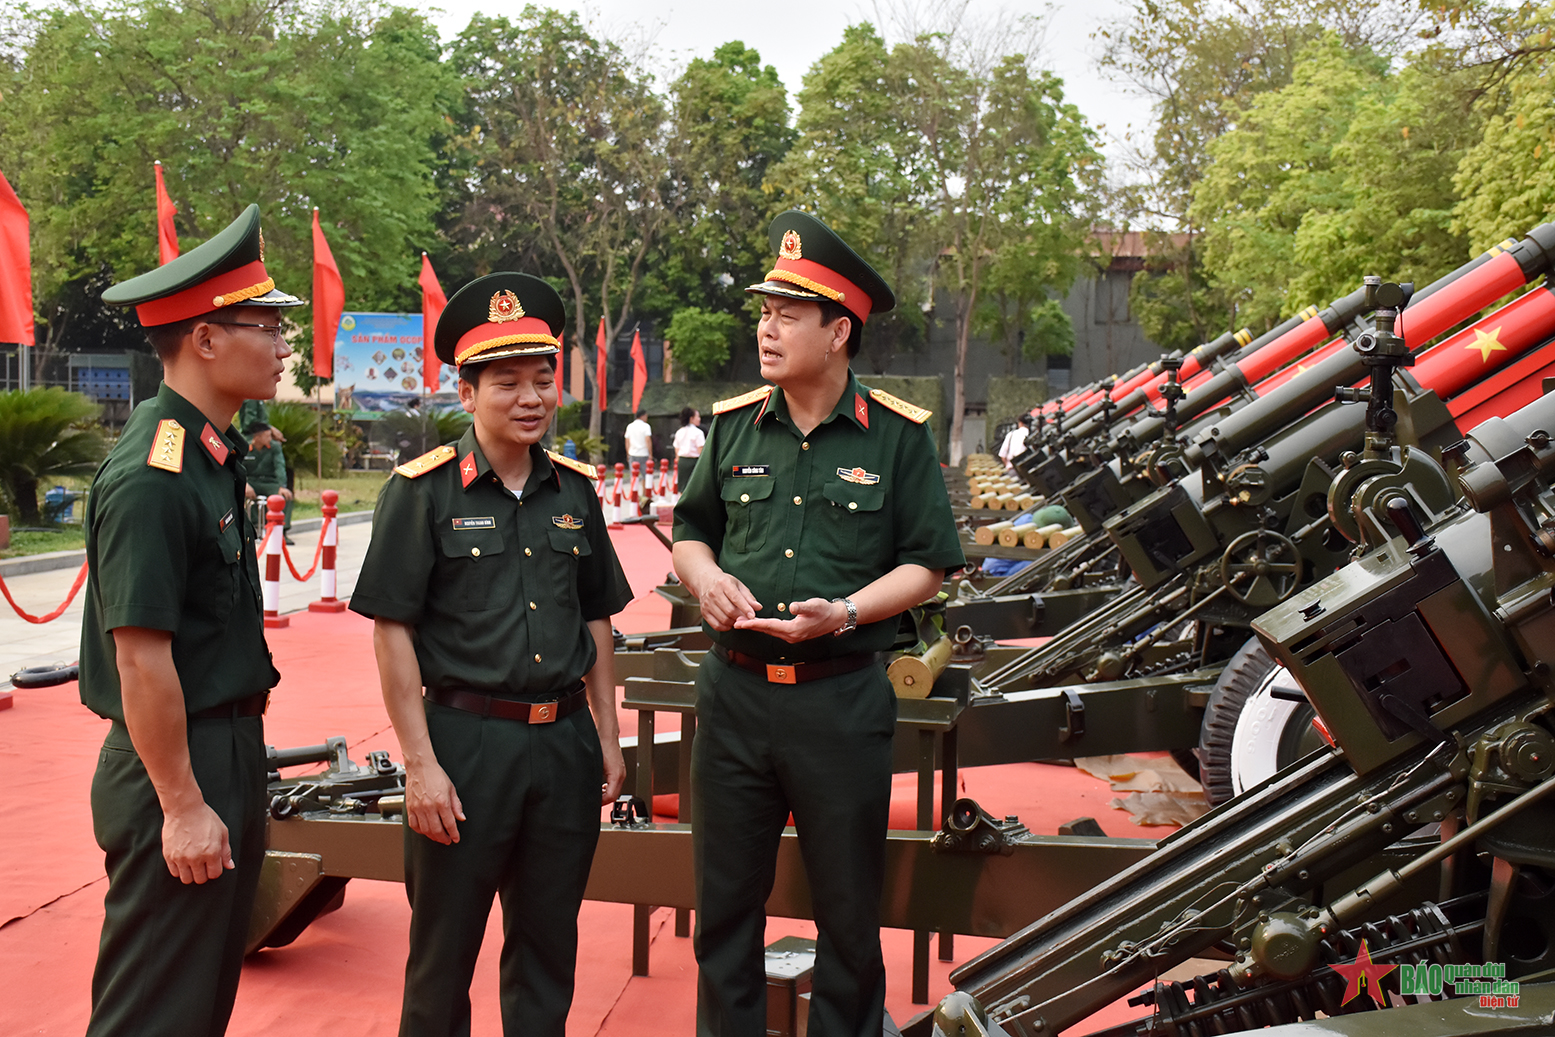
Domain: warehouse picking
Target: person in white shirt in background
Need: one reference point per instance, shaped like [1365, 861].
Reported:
[639, 441]
[1015, 441]
[688, 443]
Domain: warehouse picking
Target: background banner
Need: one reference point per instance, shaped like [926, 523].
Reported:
[378, 365]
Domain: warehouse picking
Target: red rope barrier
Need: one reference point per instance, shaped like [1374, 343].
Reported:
[318, 550]
[75, 588]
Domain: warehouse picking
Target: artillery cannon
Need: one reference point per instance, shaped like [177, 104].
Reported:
[1424, 830]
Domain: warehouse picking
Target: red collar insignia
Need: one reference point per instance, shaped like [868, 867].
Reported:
[213, 444]
[861, 410]
[467, 469]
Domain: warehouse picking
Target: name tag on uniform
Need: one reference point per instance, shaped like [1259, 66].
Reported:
[742, 470]
[485, 522]
[224, 522]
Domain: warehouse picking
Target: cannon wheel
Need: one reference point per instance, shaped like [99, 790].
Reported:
[1248, 734]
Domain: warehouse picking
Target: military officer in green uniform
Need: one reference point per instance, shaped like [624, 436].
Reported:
[816, 516]
[266, 468]
[173, 648]
[491, 580]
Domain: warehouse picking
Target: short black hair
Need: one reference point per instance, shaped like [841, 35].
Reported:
[830, 311]
[472, 372]
[686, 414]
[166, 338]
[642, 412]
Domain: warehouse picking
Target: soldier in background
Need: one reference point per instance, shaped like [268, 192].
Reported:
[817, 517]
[491, 581]
[173, 648]
[267, 475]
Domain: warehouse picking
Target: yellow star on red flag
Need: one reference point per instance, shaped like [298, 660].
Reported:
[1486, 343]
[1364, 974]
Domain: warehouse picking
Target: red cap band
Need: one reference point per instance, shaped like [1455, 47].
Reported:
[852, 296]
[483, 338]
[230, 288]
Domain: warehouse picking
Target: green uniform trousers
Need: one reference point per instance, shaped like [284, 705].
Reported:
[820, 750]
[170, 953]
[530, 794]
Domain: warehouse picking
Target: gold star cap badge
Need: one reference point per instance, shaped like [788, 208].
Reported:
[504, 307]
[792, 247]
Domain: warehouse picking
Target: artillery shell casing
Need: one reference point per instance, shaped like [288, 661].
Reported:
[1010, 537]
[987, 535]
[1063, 536]
[913, 676]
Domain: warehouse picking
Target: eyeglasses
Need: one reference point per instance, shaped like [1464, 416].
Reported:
[273, 329]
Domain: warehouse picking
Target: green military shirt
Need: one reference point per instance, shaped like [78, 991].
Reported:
[818, 516]
[497, 589]
[169, 547]
[251, 411]
[266, 469]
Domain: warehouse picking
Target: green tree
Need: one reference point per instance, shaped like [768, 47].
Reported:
[44, 434]
[1274, 168]
[290, 103]
[1018, 311]
[1506, 181]
[729, 125]
[701, 339]
[569, 166]
[858, 165]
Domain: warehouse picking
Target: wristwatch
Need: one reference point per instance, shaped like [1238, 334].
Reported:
[851, 623]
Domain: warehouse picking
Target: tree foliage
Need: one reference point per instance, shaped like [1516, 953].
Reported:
[700, 339]
[290, 103]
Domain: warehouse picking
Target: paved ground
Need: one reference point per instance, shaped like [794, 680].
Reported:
[24, 644]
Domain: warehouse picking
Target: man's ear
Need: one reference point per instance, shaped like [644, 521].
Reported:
[201, 340]
[841, 328]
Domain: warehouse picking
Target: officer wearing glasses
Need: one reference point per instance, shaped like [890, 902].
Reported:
[173, 649]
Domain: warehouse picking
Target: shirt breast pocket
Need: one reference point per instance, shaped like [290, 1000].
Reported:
[474, 572]
[227, 572]
[747, 505]
[568, 549]
[857, 516]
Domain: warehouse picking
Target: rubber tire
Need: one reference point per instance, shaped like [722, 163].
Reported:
[1244, 673]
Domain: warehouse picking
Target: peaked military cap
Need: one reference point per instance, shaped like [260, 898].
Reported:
[500, 315]
[814, 263]
[228, 270]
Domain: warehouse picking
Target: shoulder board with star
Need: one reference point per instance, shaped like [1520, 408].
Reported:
[426, 462]
[743, 400]
[167, 447]
[902, 407]
[588, 471]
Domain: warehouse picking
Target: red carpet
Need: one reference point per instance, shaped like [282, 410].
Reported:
[343, 975]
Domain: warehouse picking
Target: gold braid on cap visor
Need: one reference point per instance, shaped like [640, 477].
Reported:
[243, 294]
[804, 282]
[486, 346]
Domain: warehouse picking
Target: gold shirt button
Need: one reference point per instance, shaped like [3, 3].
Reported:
[852, 505]
[745, 498]
[531, 606]
[527, 552]
[804, 446]
[789, 553]
[798, 500]
[537, 657]
[574, 550]
[782, 607]
[475, 551]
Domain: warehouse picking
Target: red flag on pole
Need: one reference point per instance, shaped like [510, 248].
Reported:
[15, 270]
[167, 234]
[561, 366]
[329, 299]
[639, 370]
[432, 302]
[599, 370]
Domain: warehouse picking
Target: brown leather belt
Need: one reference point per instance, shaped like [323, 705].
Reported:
[253, 706]
[482, 705]
[797, 673]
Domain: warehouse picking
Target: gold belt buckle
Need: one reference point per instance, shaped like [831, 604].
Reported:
[781, 673]
[543, 712]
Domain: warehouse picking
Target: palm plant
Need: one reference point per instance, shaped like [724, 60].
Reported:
[44, 434]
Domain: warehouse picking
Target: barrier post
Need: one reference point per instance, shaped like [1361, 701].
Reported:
[615, 508]
[662, 498]
[636, 501]
[275, 517]
[330, 538]
[604, 506]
